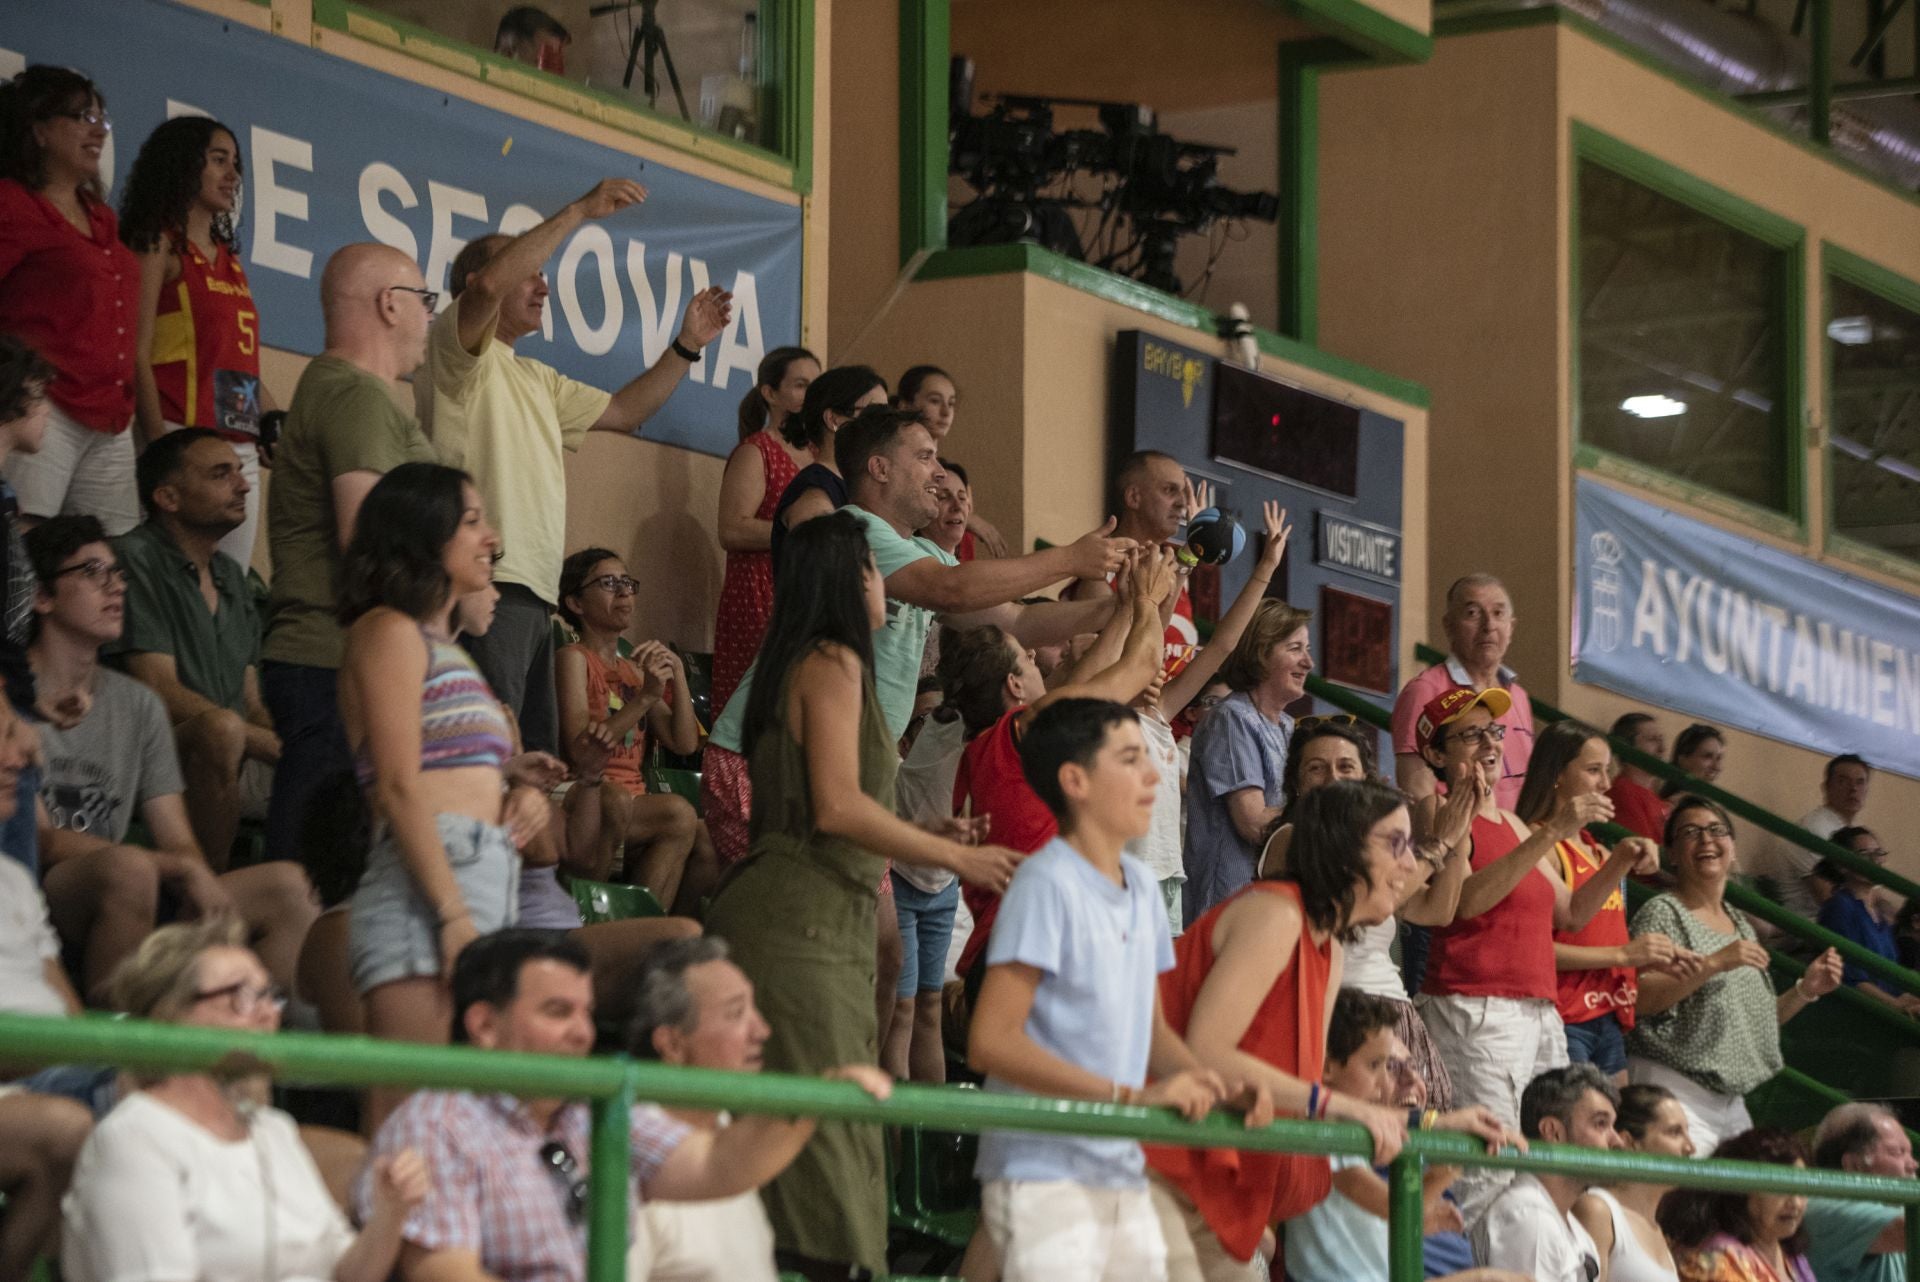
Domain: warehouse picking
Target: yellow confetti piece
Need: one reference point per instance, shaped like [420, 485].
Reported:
[506, 146]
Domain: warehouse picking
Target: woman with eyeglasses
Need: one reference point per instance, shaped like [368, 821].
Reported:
[1595, 963]
[70, 290]
[195, 1175]
[430, 745]
[1862, 912]
[638, 694]
[1325, 750]
[1713, 1034]
[197, 363]
[1743, 1237]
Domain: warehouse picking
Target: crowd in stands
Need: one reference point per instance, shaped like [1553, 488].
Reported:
[963, 810]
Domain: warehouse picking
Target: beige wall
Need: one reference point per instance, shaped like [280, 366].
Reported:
[1466, 290]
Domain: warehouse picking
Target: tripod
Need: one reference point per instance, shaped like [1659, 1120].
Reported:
[651, 38]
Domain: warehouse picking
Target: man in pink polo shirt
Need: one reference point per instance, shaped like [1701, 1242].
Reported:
[1479, 627]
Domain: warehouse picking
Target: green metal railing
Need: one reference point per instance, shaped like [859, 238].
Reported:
[614, 1085]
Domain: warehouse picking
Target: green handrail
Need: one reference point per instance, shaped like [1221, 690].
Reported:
[615, 1084]
[1733, 803]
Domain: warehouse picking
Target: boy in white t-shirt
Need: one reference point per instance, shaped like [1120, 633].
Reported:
[1070, 1007]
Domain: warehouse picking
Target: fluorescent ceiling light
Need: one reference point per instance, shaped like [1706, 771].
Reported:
[1854, 331]
[1654, 406]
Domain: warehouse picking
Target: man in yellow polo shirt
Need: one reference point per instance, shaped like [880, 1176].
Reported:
[506, 419]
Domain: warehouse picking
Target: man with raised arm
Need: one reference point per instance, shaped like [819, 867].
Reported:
[509, 419]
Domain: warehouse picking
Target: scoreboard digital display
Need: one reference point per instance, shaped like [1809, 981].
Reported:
[1356, 640]
[1285, 432]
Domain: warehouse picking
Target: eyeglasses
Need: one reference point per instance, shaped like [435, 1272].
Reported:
[1207, 702]
[1331, 719]
[1694, 832]
[1590, 1268]
[1478, 735]
[96, 571]
[616, 584]
[91, 119]
[430, 298]
[1876, 854]
[560, 1164]
[244, 999]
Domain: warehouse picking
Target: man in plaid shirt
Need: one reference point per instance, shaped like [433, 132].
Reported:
[510, 1174]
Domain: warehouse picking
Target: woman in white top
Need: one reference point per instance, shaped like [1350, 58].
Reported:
[1619, 1217]
[194, 1178]
[1322, 750]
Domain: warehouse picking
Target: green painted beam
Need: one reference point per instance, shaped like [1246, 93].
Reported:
[1368, 31]
[1820, 73]
[925, 32]
[1301, 63]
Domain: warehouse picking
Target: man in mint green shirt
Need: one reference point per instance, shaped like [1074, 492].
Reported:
[1859, 1241]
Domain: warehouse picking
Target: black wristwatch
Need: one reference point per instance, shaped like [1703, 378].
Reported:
[687, 354]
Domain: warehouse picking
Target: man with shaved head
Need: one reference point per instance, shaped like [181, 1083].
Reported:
[1479, 625]
[509, 420]
[345, 429]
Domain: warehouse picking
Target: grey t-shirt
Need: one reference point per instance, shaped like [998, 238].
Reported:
[118, 758]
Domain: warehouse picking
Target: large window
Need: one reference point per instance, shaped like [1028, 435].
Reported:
[730, 56]
[1686, 338]
[1873, 442]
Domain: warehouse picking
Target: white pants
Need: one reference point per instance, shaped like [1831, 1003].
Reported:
[1060, 1231]
[78, 471]
[239, 543]
[1711, 1116]
[1492, 1047]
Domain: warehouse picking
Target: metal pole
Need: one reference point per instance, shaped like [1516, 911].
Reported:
[1405, 1214]
[1913, 1242]
[612, 1170]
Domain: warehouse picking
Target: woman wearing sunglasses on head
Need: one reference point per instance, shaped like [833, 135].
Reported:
[224, 1187]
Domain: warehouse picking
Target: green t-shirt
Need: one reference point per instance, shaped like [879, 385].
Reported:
[1839, 1234]
[342, 420]
[165, 614]
[900, 645]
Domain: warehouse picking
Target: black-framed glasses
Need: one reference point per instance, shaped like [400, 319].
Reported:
[1694, 832]
[96, 570]
[244, 998]
[430, 298]
[560, 1163]
[615, 584]
[1474, 736]
[91, 119]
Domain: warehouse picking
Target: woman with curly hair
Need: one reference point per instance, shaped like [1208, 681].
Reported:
[197, 362]
[67, 289]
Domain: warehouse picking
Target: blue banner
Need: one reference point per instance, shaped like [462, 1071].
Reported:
[1685, 615]
[337, 153]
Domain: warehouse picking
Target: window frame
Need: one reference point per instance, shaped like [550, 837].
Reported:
[1593, 146]
[787, 163]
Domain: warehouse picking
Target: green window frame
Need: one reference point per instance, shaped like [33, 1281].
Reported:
[1592, 146]
[786, 36]
[1890, 287]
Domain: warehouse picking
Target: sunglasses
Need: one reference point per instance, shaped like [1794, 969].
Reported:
[562, 1166]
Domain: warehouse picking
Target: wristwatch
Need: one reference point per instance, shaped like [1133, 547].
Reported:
[687, 354]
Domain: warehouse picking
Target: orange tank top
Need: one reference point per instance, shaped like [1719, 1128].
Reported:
[1239, 1194]
[608, 689]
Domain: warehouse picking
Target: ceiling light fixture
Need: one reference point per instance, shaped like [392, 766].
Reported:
[1854, 331]
[1653, 406]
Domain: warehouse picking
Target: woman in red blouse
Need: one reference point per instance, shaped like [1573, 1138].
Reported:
[70, 290]
[197, 363]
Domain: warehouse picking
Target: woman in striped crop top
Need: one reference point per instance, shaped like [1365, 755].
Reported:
[430, 745]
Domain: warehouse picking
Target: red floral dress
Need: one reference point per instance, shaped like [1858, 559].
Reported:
[746, 594]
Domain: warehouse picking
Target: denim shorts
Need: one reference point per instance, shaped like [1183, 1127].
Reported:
[926, 928]
[394, 933]
[1600, 1042]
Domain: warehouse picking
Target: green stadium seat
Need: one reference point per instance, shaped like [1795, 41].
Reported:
[613, 901]
[681, 783]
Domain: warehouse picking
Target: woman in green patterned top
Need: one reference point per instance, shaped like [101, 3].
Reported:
[798, 912]
[1710, 1032]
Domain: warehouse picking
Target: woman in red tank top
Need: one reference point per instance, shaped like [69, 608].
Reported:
[757, 474]
[1250, 991]
[1596, 964]
[197, 362]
